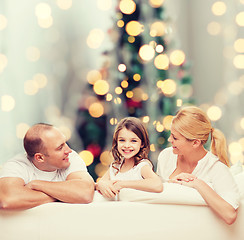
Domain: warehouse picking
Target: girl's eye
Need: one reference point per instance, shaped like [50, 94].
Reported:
[134, 140]
[121, 140]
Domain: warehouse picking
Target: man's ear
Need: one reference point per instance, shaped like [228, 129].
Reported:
[197, 142]
[39, 157]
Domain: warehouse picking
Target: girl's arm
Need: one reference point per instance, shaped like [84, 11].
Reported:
[222, 208]
[106, 187]
[150, 182]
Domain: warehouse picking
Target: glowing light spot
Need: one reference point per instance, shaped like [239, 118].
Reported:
[124, 84]
[127, 6]
[31, 87]
[21, 130]
[3, 62]
[146, 52]
[241, 141]
[106, 158]
[134, 28]
[167, 122]
[104, 5]
[144, 97]
[129, 94]
[221, 98]
[185, 90]
[213, 28]
[33, 54]
[137, 77]
[168, 87]
[117, 100]
[89, 100]
[238, 61]
[146, 119]
[240, 19]
[242, 123]
[118, 90]
[3, 22]
[156, 3]
[93, 76]
[235, 148]
[152, 148]
[177, 57]
[66, 131]
[239, 45]
[120, 23]
[157, 29]
[122, 67]
[161, 62]
[235, 87]
[159, 48]
[43, 11]
[7, 103]
[87, 156]
[159, 127]
[95, 38]
[214, 113]
[137, 94]
[64, 4]
[179, 102]
[131, 39]
[161, 140]
[45, 23]
[219, 8]
[109, 97]
[101, 87]
[40, 79]
[96, 110]
[113, 121]
[100, 169]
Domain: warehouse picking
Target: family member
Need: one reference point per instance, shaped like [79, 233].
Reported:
[131, 167]
[188, 163]
[49, 171]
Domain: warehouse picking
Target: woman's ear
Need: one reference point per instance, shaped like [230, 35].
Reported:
[197, 143]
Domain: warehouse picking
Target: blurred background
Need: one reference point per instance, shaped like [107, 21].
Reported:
[83, 65]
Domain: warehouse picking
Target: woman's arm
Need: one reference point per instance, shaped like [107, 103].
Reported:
[106, 187]
[150, 182]
[223, 209]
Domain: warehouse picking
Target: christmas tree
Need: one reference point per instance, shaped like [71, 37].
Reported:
[144, 76]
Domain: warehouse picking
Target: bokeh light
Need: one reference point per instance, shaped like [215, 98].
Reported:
[33, 54]
[101, 87]
[214, 28]
[87, 156]
[64, 4]
[100, 169]
[146, 52]
[238, 61]
[167, 122]
[118, 90]
[93, 76]
[31, 87]
[96, 110]
[95, 38]
[137, 77]
[113, 121]
[159, 48]
[104, 5]
[3, 62]
[127, 6]
[242, 123]
[106, 158]
[21, 130]
[177, 57]
[168, 87]
[122, 67]
[157, 29]
[124, 84]
[161, 62]
[40, 79]
[134, 28]
[3, 22]
[7, 103]
[43, 10]
[214, 113]
[156, 3]
[239, 45]
[219, 8]
[240, 19]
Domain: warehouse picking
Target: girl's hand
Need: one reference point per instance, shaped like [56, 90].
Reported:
[106, 188]
[118, 185]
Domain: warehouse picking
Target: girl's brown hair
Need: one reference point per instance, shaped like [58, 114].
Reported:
[193, 123]
[135, 125]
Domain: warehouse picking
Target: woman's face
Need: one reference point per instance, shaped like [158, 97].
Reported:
[179, 143]
[129, 143]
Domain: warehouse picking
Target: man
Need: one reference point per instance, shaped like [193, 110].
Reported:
[49, 171]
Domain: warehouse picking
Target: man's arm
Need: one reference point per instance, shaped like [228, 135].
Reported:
[78, 188]
[15, 195]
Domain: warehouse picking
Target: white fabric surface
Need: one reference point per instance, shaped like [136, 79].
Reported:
[20, 166]
[209, 168]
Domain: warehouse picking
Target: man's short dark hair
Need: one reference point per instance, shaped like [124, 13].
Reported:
[32, 141]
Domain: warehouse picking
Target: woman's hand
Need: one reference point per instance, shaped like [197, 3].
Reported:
[186, 179]
[107, 188]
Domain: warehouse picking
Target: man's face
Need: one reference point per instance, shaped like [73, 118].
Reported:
[57, 151]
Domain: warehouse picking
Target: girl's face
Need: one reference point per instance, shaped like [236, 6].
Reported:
[129, 143]
[180, 144]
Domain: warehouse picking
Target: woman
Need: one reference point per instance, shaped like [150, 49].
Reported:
[188, 163]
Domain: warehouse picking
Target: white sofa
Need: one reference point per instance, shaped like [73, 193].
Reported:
[177, 213]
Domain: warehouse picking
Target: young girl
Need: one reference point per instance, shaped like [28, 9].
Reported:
[188, 163]
[131, 167]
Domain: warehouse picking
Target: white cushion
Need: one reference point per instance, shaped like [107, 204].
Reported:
[172, 194]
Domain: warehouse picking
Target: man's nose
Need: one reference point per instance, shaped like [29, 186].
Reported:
[67, 149]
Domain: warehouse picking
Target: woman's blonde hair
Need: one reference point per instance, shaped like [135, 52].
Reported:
[193, 123]
[135, 125]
